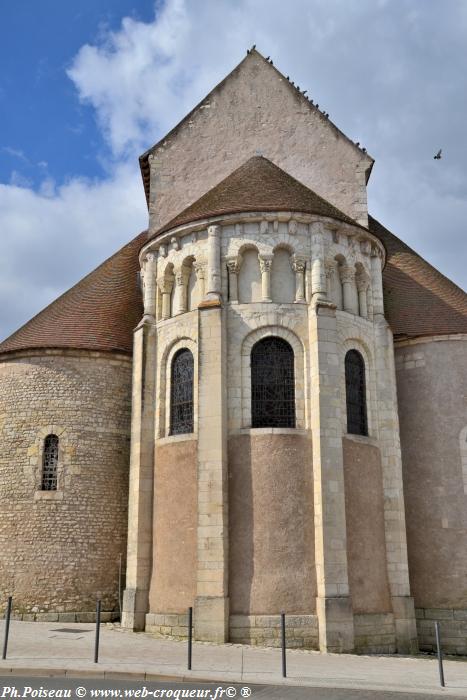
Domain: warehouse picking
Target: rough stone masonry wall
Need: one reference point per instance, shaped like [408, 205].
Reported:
[453, 629]
[59, 550]
[256, 111]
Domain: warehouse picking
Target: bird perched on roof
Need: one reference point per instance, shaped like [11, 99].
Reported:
[438, 155]
[267, 58]
[253, 47]
[304, 92]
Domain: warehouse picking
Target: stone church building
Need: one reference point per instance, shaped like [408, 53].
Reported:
[259, 403]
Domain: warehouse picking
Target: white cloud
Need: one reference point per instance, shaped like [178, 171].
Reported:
[391, 76]
[389, 73]
[57, 235]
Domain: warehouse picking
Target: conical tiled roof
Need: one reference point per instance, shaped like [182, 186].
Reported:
[257, 185]
[98, 313]
[419, 300]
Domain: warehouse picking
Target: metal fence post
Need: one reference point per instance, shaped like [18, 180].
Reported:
[7, 625]
[98, 626]
[284, 663]
[440, 655]
[190, 636]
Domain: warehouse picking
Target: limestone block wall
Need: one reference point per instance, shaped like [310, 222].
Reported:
[261, 274]
[432, 390]
[59, 550]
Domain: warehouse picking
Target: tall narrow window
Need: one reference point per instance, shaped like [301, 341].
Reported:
[272, 384]
[49, 463]
[181, 393]
[355, 393]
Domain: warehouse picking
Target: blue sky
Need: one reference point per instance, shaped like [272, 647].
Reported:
[45, 129]
[86, 87]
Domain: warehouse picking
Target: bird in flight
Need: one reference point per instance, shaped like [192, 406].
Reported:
[438, 155]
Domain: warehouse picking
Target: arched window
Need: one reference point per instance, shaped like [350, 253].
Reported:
[49, 464]
[272, 384]
[355, 393]
[181, 393]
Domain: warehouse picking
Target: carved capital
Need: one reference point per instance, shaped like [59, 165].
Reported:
[214, 230]
[298, 263]
[200, 269]
[347, 273]
[363, 281]
[265, 262]
[150, 258]
[165, 284]
[233, 265]
[174, 243]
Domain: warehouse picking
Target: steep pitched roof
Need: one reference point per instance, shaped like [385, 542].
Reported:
[143, 160]
[98, 313]
[419, 300]
[257, 185]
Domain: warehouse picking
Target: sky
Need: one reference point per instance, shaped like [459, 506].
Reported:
[86, 87]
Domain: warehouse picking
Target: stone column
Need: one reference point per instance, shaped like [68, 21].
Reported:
[149, 286]
[213, 291]
[200, 269]
[362, 287]
[318, 276]
[333, 604]
[329, 267]
[182, 277]
[211, 613]
[377, 282]
[347, 275]
[165, 287]
[233, 267]
[141, 487]
[265, 264]
[299, 266]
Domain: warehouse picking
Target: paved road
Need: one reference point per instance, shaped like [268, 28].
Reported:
[39, 687]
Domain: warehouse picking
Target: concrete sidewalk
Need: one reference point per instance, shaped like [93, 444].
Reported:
[39, 648]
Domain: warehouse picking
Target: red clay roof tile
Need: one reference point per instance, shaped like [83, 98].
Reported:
[257, 185]
[98, 313]
[419, 300]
